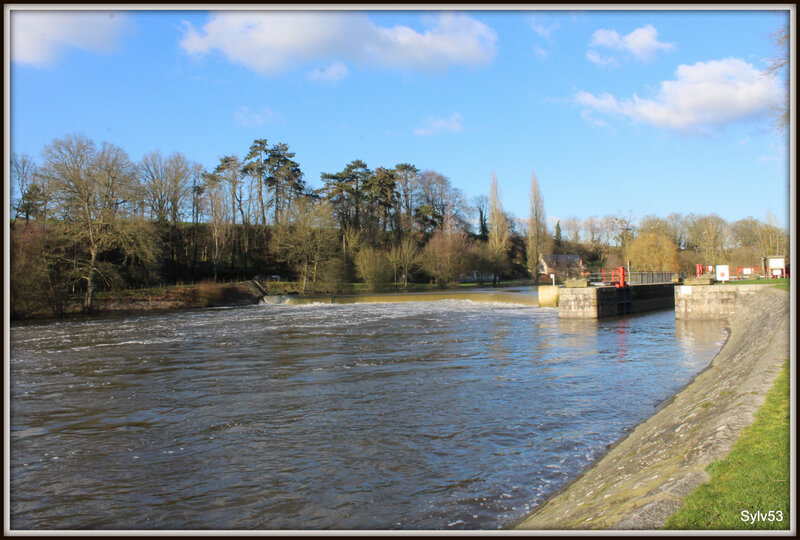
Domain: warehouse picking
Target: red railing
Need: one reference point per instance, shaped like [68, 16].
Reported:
[739, 272]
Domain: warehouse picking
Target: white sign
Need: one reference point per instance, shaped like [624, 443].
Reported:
[747, 271]
[777, 272]
[778, 262]
[722, 273]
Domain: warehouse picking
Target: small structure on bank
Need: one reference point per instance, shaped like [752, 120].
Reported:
[563, 266]
[773, 266]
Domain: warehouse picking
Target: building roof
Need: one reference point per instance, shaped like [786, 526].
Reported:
[563, 261]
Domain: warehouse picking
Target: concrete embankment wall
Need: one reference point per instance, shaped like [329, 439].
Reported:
[599, 302]
[642, 480]
[712, 301]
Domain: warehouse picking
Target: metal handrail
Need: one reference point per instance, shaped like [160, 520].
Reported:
[611, 277]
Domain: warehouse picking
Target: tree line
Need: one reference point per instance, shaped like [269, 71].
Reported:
[85, 218]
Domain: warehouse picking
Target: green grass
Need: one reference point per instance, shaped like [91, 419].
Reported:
[776, 281]
[753, 477]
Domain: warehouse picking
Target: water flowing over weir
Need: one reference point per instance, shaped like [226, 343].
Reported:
[423, 415]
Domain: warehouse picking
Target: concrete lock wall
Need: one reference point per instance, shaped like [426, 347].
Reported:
[599, 302]
[712, 301]
[548, 295]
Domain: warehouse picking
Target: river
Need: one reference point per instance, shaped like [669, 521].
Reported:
[422, 415]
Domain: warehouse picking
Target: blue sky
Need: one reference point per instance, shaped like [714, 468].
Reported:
[633, 112]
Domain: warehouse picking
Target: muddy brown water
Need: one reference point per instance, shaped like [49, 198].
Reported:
[421, 415]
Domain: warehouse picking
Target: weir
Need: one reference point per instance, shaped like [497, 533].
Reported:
[581, 302]
[504, 297]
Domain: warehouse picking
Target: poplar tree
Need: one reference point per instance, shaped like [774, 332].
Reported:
[537, 229]
[499, 234]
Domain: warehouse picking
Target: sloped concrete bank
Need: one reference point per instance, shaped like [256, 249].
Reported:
[642, 480]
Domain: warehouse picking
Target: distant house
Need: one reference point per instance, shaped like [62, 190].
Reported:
[560, 264]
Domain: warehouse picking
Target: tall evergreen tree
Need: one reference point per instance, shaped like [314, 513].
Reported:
[285, 179]
[255, 167]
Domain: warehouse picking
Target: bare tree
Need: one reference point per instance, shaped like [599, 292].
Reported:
[153, 179]
[445, 257]
[624, 229]
[592, 230]
[436, 198]
[178, 173]
[778, 66]
[90, 188]
[403, 257]
[407, 181]
[772, 238]
[712, 236]
[218, 217]
[307, 238]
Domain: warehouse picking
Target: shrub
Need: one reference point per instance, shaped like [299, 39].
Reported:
[373, 267]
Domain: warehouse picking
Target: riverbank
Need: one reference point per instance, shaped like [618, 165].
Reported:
[642, 479]
[202, 295]
[171, 298]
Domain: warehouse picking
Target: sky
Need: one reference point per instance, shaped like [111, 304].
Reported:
[630, 112]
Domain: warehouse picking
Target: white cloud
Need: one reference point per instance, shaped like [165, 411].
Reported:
[543, 29]
[600, 60]
[434, 126]
[40, 38]
[642, 43]
[606, 38]
[248, 118]
[703, 96]
[541, 53]
[605, 103]
[590, 118]
[331, 74]
[270, 42]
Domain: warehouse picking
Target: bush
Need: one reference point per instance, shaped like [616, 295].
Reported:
[373, 267]
[336, 275]
[210, 294]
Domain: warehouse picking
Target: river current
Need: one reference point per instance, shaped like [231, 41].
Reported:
[422, 415]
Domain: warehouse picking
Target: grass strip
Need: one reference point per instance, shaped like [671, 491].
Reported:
[768, 281]
[749, 489]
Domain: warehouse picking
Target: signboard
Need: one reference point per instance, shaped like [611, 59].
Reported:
[777, 262]
[722, 273]
[747, 271]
